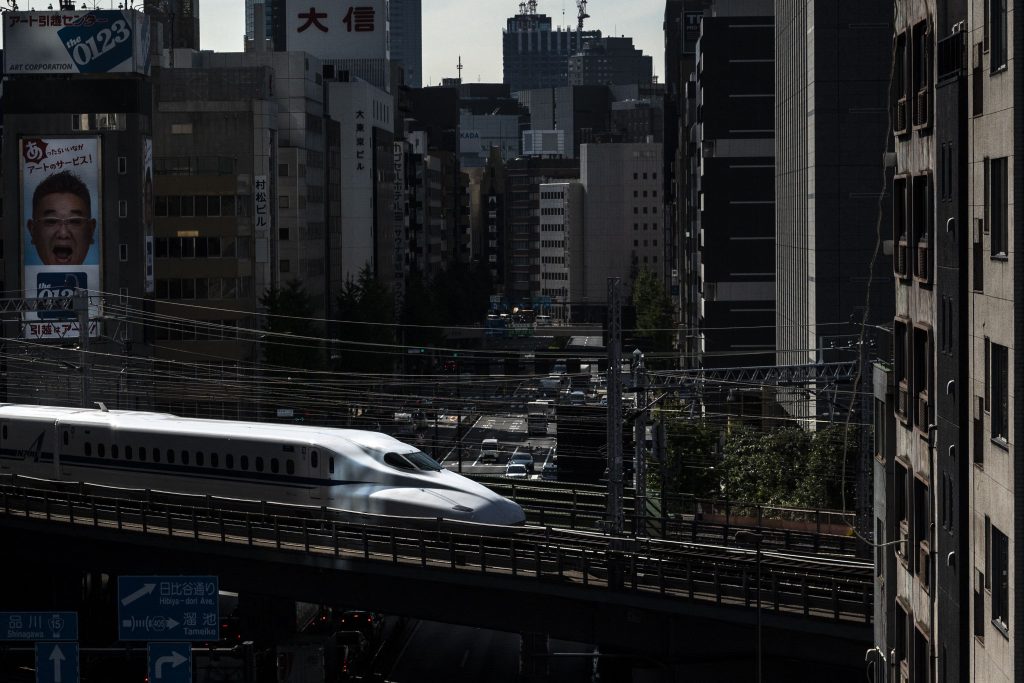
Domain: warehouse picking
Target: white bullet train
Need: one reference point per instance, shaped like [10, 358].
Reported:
[357, 471]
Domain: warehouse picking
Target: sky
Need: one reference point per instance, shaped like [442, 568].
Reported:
[472, 29]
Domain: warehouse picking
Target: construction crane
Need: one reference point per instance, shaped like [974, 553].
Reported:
[581, 5]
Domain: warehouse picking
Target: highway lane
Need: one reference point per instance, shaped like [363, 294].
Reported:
[510, 431]
[445, 653]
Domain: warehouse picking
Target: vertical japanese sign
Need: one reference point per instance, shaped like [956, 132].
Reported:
[147, 211]
[261, 207]
[338, 29]
[61, 210]
[398, 221]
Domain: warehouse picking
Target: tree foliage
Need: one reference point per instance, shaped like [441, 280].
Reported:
[290, 312]
[653, 310]
[366, 316]
[785, 467]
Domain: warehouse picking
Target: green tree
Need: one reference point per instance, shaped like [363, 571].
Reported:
[765, 468]
[653, 310]
[691, 460]
[289, 314]
[831, 458]
[366, 315]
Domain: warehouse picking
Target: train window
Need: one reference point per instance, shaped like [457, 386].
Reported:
[127, 452]
[314, 460]
[184, 457]
[88, 448]
[259, 464]
[113, 451]
[396, 460]
[330, 465]
[229, 460]
[199, 458]
[245, 462]
[214, 460]
[142, 454]
[274, 466]
[409, 461]
[170, 456]
[65, 437]
[289, 466]
[156, 455]
[101, 450]
[5, 431]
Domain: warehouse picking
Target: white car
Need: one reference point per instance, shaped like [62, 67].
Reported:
[516, 470]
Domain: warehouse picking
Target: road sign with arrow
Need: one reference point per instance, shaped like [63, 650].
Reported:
[171, 608]
[170, 663]
[57, 662]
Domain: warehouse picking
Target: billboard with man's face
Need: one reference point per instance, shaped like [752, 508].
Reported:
[62, 219]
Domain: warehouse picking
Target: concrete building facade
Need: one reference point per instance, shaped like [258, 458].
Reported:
[535, 55]
[561, 233]
[624, 227]
[832, 74]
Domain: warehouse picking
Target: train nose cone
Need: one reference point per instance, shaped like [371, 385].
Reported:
[503, 511]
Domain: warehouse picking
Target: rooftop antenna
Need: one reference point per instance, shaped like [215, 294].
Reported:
[459, 68]
[581, 5]
[532, 6]
[522, 7]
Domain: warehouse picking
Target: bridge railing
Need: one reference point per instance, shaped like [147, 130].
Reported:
[687, 517]
[835, 589]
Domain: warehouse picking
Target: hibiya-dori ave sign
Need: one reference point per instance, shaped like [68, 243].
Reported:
[76, 41]
[338, 29]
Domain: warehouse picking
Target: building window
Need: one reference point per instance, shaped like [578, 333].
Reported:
[1000, 580]
[899, 226]
[921, 74]
[922, 389]
[902, 511]
[286, 266]
[122, 165]
[901, 353]
[998, 205]
[1000, 387]
[181, 129]
[122, 208]
[283, 234]
[922, 218]
[282, 201]
[997, 19]
[122, 250]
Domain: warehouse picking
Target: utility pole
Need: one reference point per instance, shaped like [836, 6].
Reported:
[82, 310]
[614, 343]
[640, 439]
[458, 424]
[436, 411]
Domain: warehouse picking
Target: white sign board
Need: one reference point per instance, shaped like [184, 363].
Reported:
[338, 29]
[76, 41]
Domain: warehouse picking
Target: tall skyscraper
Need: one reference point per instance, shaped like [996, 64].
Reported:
[406, 17]
[537, 56]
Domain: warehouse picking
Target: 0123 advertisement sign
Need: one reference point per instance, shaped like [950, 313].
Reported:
[61, 211]
[70, 41]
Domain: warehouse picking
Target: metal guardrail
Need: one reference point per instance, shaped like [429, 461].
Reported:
[824, 532]
[838, 590]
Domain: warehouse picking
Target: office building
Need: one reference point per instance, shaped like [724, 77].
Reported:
[624, 228]
[831, 87]
[561, 248]
[406, 20]
[610, 61]
[732, 178]
[536, 55]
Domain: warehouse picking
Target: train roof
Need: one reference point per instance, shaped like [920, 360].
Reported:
[224, 429]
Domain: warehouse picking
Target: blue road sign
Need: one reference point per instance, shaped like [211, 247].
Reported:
[168, 608]
[38, 626]
[170, 663]
[56, 662]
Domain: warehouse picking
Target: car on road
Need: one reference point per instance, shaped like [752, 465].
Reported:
[550, 470]
[577, 398]
[524, 459]
[516, 470]
[489, 450]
